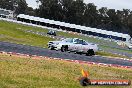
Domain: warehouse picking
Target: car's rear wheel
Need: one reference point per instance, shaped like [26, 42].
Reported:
[90, 52]
[79, 53]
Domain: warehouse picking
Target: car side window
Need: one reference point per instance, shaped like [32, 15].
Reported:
[85, 43]
[78, 41]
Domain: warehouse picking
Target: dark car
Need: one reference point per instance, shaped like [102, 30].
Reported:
[51, 32]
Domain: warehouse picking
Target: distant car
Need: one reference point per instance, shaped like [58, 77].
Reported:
[75, 45]
[51, 32]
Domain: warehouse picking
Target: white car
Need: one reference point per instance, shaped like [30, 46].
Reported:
[75, 45]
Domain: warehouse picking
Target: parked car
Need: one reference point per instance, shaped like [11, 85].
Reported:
[75, 45]
[51, 32]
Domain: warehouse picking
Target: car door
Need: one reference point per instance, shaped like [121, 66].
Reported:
[79, 45]
[75, 45]
[71, 45]
[85, 46]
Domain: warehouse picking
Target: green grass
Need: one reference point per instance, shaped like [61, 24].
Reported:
[13, 32]
[24, 72]
[107, 54]
[120, 50]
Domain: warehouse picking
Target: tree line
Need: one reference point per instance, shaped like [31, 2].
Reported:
[18, 6]
[77, 12]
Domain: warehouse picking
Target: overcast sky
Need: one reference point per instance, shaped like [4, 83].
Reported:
[111, 4]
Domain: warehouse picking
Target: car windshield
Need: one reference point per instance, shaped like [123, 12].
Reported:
[68, 40]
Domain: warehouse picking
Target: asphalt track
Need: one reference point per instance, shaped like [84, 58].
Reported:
[31, 50]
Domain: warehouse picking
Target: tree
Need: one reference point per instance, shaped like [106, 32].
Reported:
[76, 11]
[19, 6]
[103, 18]
[90, 15]
[63, 10]
[30, 11]
[50, 9]
[130, 24]
[7, 4]
[22, 7]
[66, 6]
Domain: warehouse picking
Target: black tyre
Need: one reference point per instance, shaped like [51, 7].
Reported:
[51, 48]
[79, 53]
[90, 52]
[64, 48]
[54, 34]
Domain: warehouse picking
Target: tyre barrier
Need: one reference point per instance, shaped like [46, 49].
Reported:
[69, 60]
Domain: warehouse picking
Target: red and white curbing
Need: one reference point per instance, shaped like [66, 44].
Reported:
[76, 61]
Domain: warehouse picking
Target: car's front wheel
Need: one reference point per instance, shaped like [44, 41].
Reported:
[64, 48]
[51, 48]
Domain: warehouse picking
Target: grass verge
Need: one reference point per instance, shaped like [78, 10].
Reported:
[25, 72]
[107, 54]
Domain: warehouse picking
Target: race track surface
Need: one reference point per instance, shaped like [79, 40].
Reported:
[31, 50]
